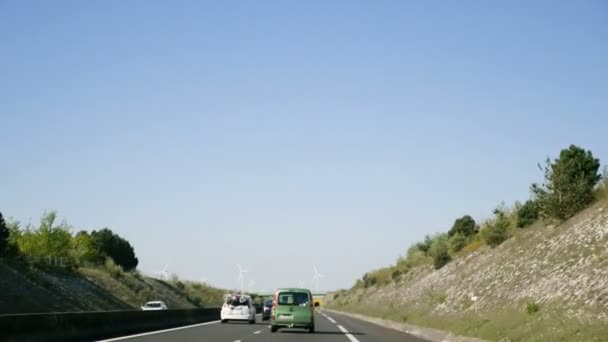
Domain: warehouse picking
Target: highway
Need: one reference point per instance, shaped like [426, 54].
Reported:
[329, 327]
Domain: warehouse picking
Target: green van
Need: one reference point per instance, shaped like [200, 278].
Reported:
[293, 308]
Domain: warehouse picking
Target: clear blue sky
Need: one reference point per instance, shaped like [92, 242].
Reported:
[333, 133]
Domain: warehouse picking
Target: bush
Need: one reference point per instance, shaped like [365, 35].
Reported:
[532, 307]
[415, 256]
[464, 225]
[569, 183]
[369, 280]
[457, 242]
[114, 270]
[439, 251]
[527, 214]
[179, 285]
[396, 274]
[425, 246]
[497, 229]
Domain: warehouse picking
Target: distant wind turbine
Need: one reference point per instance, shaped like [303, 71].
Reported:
[316, 277]
[242, 277]
[164, 275]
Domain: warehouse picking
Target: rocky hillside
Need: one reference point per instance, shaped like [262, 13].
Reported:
[24, 290]
[547, 283]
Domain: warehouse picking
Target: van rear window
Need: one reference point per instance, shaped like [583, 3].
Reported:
[293, 298]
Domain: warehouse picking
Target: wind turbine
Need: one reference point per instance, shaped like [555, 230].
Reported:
[164, 275]
[316, 277]
[242, 277]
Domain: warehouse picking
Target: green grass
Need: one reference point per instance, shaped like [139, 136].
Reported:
[511, 324]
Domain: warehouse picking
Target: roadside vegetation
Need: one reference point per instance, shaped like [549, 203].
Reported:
[99, 263]
[572, 182]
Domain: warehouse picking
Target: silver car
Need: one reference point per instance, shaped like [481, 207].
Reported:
[155, 305]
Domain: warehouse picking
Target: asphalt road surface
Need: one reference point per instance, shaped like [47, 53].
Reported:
[329, 328]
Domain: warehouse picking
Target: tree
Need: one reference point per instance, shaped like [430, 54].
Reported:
[48, 240]
[569, 183]
[464, 225]
[113, 246]
[527, 214]
[4, 236]
[84, 248]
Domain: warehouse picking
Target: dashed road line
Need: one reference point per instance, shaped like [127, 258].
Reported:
[257, 332]
[159, 331]
[347, 334]
[331, 319]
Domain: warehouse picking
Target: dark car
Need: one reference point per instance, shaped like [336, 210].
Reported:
[266, 310]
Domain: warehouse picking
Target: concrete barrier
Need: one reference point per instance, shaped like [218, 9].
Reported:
[87, 326]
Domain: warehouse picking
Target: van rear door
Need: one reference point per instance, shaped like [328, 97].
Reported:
[293, 307]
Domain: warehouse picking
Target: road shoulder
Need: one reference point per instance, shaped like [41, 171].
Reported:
[429, 334]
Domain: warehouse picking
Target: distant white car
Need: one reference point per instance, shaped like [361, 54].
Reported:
[155, 305]
[238, 307]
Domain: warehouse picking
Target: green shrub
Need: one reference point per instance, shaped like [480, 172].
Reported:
[569, 183]
[424, 246]
[439, 251]
[114, 270]
[396, 274]
[527, 214]
[457, 242]
[416, 257]
[497, 228]
[179, 285]
[532, 307]
[369, 280]
[465, 226]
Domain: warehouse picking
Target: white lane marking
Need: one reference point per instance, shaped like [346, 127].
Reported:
[257, 332]
[331, 319]
[347, 334]
[159, 331]
[237, 341]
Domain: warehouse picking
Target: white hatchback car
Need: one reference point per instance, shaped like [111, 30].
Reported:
[238, 308]
[155, 305]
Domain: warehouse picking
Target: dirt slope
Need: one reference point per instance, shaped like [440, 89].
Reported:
[561, 271]
[24, 291]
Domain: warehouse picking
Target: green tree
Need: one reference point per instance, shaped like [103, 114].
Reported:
[4, 236]
[113, 246]
[569, 183]
[527, 214]
[84, 248]
[464, 225]
[48, 240]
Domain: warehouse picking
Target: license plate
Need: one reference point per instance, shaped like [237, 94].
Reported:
[290, 317]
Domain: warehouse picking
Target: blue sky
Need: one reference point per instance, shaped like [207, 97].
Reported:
[333, 133]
